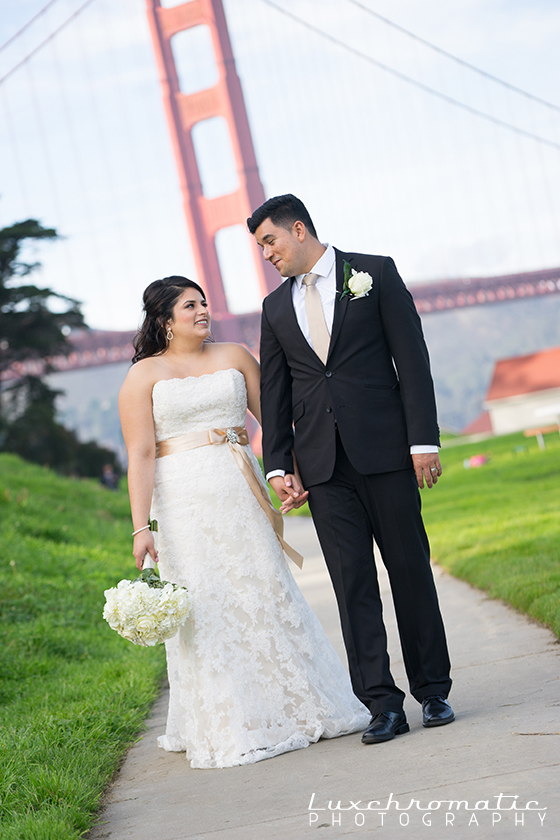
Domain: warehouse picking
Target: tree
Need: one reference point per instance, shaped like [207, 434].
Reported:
[31, 431]
[29, 329]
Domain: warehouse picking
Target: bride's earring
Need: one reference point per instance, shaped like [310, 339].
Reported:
[169, 334]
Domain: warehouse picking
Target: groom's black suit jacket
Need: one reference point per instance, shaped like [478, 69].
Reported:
[376, 385]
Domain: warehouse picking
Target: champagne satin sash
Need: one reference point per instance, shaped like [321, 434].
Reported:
[237, 438]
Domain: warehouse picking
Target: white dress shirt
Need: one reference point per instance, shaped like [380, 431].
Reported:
[325, 268]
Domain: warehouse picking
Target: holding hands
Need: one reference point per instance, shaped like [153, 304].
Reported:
[289, 490]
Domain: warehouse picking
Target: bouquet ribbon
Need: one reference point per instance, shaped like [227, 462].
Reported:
[237, 439]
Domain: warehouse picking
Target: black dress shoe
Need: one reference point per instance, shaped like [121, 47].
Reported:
[436, 711]
[384, 726]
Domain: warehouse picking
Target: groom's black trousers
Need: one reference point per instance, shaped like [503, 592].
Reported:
[348, 510]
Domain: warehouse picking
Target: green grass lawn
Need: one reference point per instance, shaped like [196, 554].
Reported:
[74, 694]
[498, 526]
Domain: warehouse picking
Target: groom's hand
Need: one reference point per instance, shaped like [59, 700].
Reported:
[290, 491]
[427, 468]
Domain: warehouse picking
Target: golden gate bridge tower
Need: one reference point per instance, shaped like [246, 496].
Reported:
[208, 216]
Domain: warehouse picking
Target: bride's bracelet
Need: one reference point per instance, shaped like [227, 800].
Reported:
[144, 528]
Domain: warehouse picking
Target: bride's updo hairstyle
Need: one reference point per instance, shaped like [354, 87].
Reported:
[159, 299]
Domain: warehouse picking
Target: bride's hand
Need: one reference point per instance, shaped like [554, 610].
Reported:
[144, 544]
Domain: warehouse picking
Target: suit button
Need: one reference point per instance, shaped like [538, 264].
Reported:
[328, 374]
[328, 409]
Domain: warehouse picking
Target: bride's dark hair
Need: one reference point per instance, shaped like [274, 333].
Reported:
[159, 299]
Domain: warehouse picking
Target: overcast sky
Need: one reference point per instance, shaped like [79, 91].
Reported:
[383, 166]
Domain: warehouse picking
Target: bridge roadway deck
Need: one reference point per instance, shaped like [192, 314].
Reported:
[94, 348]
[504, 741]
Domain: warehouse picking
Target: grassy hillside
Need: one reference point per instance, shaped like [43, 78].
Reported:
[498, 526]
[74, 694]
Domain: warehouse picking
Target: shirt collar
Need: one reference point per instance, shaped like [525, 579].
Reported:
[322, 267]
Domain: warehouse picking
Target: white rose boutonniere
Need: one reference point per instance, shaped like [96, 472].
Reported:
[357, 284]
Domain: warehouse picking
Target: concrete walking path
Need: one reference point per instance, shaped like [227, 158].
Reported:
[505, 741]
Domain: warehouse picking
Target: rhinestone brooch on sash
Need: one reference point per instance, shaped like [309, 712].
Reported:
[232, 436]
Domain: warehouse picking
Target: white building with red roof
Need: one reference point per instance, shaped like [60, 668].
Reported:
[525, 392]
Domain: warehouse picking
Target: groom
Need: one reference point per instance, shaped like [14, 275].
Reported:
[347, 390]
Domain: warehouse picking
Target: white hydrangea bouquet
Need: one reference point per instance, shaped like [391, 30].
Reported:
[147, 610]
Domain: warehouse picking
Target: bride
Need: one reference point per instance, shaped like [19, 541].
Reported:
[251, 673]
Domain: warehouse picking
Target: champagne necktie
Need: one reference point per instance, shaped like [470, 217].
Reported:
[320, 338]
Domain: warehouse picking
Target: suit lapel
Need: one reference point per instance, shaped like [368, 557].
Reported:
[340, 306]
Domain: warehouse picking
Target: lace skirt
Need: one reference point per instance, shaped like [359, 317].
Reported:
[252, 673]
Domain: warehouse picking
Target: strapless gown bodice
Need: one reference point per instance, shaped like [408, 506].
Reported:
[211, 401]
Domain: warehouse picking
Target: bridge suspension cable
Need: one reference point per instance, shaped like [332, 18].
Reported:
[28, 24]
[46, 40]
[455, 58]
[426, 88]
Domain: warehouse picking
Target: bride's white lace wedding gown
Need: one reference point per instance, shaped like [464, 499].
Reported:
[251, 673]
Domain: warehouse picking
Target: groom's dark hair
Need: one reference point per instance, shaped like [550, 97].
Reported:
[283, 211]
